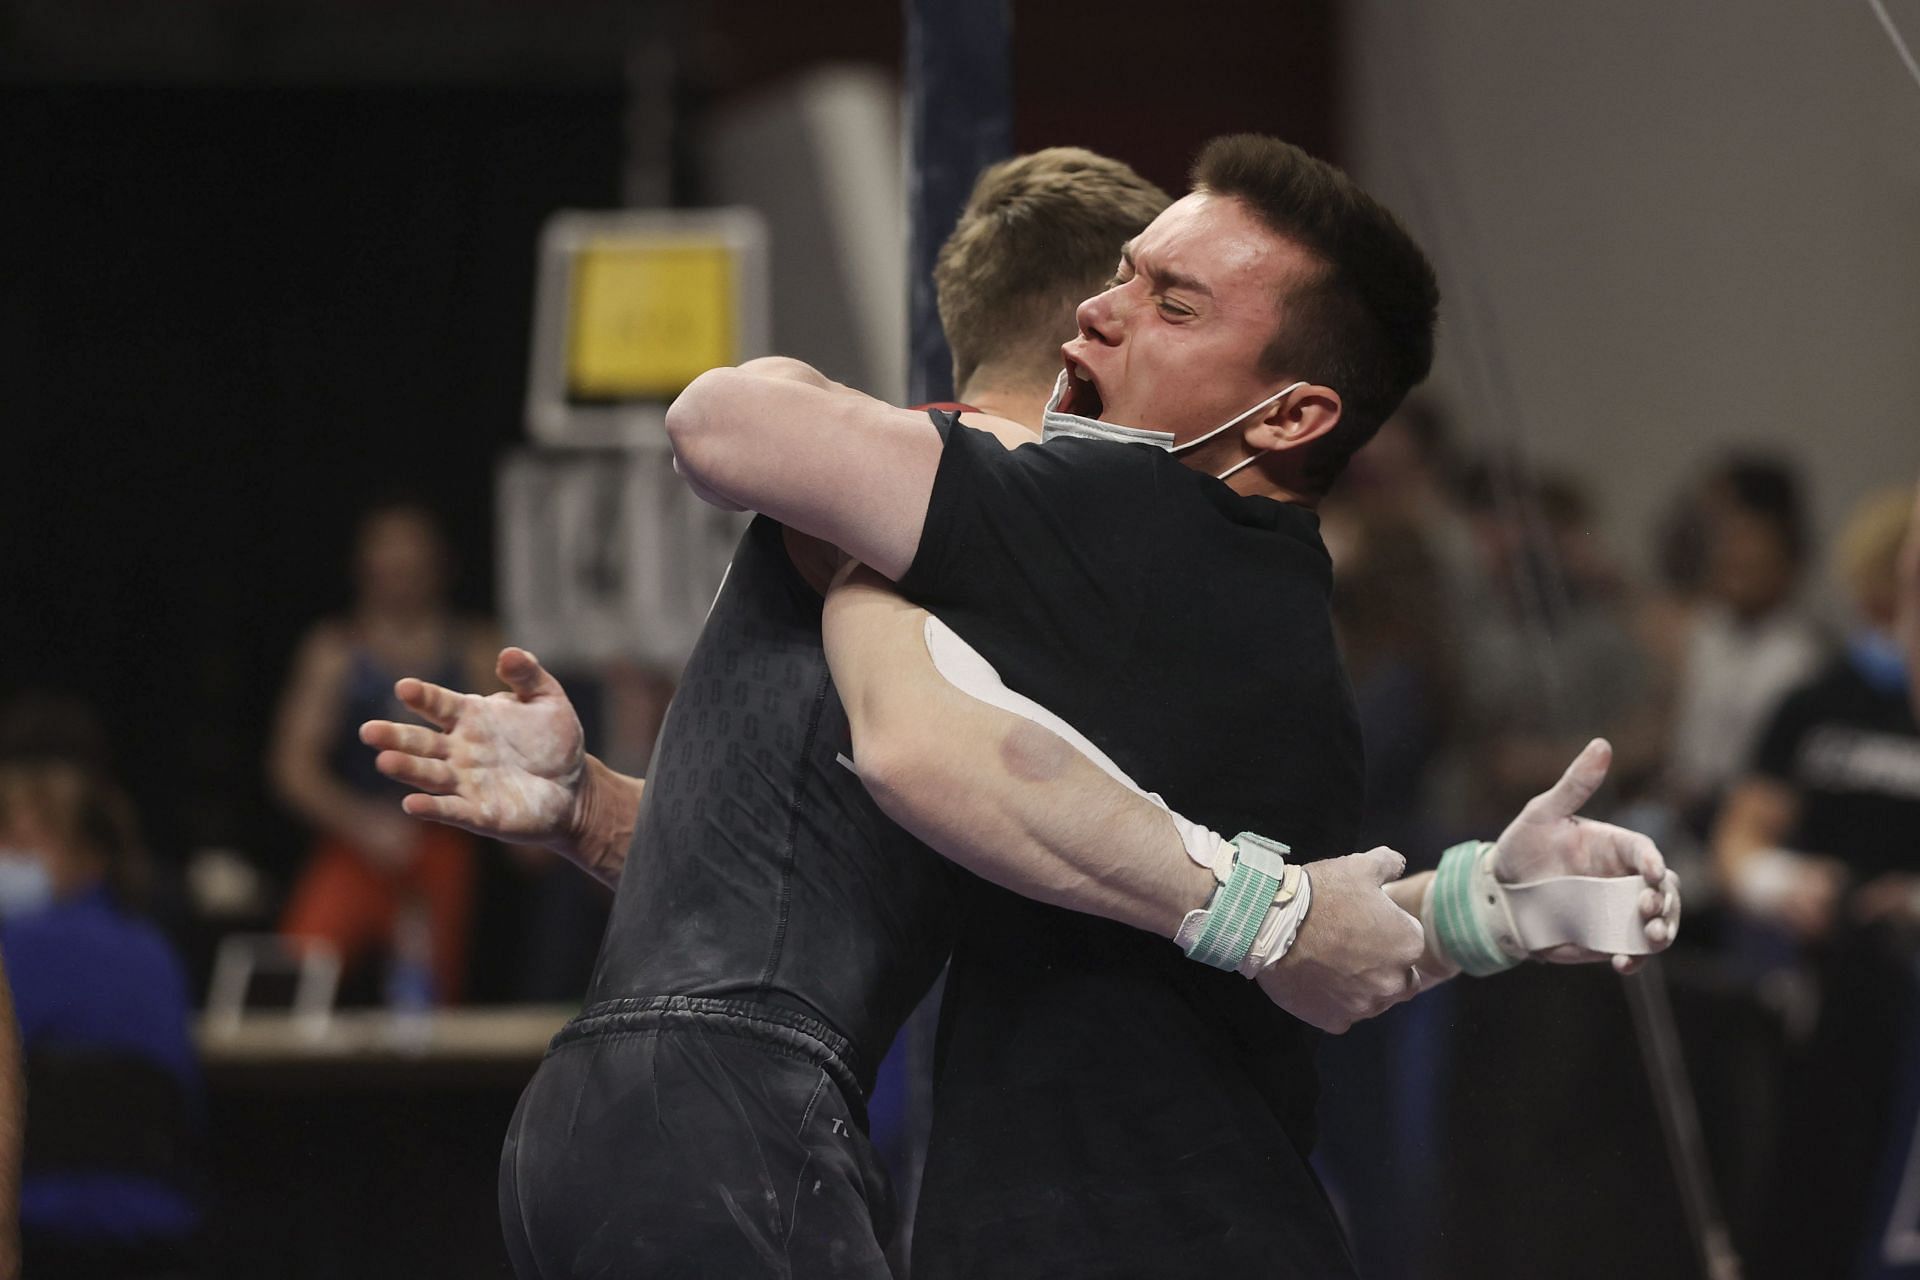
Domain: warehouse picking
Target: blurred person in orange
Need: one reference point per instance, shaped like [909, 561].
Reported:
[1820, 843]
[106, 1186]
[374, 871]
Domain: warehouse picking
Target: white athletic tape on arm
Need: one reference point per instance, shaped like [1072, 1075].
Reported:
[963, 668]
[1252, 947]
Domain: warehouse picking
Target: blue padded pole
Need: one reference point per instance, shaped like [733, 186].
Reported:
[959, 99]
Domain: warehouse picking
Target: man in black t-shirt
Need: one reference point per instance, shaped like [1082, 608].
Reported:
[1821, 842]
[704, 1115]
[1105, 1106]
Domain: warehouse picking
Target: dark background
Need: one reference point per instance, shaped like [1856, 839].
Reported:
[263, 262]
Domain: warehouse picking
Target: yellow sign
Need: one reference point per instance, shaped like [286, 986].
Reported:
[648, 318]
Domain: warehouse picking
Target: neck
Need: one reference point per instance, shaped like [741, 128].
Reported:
[1015, 400]
[1269, 477]
[1254, 483]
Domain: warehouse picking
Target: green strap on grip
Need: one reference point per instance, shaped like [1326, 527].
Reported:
[1462, 927]
[1239, 906]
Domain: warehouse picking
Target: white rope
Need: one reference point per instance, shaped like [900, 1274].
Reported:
[1899, 42]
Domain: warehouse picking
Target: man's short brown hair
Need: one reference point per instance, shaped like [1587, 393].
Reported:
[1040, 233]
[1364, 324]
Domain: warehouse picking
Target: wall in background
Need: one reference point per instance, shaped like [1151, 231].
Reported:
[1676, 226]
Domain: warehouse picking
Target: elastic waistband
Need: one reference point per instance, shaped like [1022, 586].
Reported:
[749, 1019]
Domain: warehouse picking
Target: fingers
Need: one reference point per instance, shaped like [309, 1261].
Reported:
[452, 810]
[1644, 857]
[1577, 785]
[1383, 864]
[1660, 910]
[521, 672]
[434, 704]
[436, 776]
[415, 740]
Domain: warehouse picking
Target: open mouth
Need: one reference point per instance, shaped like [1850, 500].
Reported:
[1083, 396]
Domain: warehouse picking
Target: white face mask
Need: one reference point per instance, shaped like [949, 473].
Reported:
[25, 885]
[1055, 424]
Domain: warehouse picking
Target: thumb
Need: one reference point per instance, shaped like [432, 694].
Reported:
[1577, 785]
[1384, 864]
[521, 672]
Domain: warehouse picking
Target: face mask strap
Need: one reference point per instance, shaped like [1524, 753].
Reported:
[1275, 398]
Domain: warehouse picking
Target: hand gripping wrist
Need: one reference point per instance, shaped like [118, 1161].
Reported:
[1256, 909]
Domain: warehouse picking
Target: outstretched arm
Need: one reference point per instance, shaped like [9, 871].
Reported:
[1020, 799]
[1015, 802]
[1798, 891]
[510, 766]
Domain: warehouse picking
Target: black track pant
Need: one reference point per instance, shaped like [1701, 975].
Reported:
[691, 1138]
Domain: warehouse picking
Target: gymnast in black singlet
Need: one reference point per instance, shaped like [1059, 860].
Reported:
[704, 1115]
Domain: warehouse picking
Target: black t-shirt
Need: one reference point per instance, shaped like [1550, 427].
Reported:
[1852, 752]
[761, 870]
[1105, 1106]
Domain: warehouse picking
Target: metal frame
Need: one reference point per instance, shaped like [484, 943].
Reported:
[551, 418]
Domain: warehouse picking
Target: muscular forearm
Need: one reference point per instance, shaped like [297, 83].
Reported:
[605, 814]
[1002, 796]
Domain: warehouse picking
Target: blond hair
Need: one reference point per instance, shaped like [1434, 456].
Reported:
[1867, 556]
[1040, 233]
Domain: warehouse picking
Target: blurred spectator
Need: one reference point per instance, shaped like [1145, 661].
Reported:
[1555, 660]
[1409, 472]
[375, 874]
[42, 725]
[1748, 641]
[1821, 842]
[1396, 626]
[1395, 616]
[116, 1110]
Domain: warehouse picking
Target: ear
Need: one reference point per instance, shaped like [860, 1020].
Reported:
[1303, 416]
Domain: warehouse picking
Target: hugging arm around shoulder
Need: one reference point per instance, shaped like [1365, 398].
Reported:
[1003, 788]
[830, 462]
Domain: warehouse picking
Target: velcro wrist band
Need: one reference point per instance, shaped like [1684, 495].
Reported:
[1232, 920]
[1466, 911]
[1282, 926]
